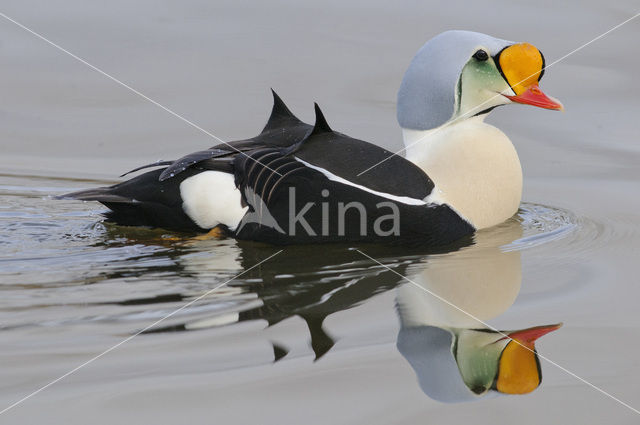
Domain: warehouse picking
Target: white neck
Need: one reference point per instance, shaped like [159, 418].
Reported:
[474, 166]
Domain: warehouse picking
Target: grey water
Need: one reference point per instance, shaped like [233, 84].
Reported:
[311, 335]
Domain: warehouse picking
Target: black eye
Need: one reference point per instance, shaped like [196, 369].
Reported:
[481, 55]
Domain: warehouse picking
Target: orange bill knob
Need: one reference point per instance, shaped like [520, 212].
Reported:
[522, 65]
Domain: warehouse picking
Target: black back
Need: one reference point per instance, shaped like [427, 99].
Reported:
[344, 156]
[277, 186]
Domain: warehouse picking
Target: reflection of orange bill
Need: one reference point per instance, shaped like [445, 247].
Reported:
[519, 368]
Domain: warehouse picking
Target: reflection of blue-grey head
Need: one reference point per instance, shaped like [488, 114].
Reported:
[457, 365]
[431, 352]
[428, 96]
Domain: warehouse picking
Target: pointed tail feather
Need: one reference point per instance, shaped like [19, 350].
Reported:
[100, 194]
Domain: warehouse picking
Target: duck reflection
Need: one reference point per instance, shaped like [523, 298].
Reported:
[455, 356]
[301, 282]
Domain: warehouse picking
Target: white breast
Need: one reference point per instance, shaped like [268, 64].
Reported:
[211, 198]
[475, 168]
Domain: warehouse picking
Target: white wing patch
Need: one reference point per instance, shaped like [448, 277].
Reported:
[211, 198]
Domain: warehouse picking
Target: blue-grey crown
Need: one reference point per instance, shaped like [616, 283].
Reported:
[426, 98]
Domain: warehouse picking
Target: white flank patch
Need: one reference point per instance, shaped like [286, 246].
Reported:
[211, 198]
[333, 177]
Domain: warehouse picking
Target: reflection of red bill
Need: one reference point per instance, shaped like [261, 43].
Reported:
[528, 336]
[535, 97]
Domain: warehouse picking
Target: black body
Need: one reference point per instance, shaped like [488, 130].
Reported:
[292, 167]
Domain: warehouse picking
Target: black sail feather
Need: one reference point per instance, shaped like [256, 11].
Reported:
[281, 116]
[321, 125]
[283, 129]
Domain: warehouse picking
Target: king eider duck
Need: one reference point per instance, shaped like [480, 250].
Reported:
[297, 183]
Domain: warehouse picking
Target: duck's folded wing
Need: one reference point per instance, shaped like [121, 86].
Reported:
[291, 201]
[361, 163]
[159, 163]
[197, 160]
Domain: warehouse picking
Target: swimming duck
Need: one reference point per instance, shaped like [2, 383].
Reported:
[297, 183]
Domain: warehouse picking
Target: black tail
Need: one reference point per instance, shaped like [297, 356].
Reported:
[143, 201]
[100, 194]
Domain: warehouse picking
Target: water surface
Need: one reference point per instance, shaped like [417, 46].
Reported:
[311, 335]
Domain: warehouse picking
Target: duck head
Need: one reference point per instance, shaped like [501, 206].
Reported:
[459, 74]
